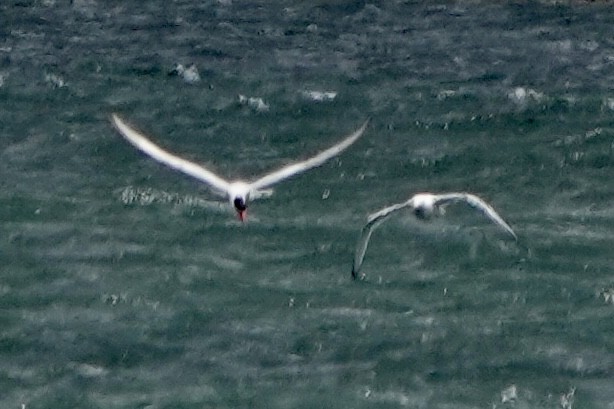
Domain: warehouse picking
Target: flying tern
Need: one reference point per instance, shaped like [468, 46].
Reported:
[423, 206]
[239, 192]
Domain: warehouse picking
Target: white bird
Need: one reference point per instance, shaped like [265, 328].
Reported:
[424, 206]
[237, 192]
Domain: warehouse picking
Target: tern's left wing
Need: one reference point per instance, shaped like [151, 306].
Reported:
[476, 203]
[319, 159]
[159, 154]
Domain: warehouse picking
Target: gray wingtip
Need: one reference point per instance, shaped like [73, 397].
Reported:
[366, 123]
[117, 122]
[513, 233]
[360, 131]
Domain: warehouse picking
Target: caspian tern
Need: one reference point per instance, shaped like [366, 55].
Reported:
[424, 206]
[237, 192]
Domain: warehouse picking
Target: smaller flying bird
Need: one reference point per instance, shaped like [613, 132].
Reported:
[424, 206]
[237, 192]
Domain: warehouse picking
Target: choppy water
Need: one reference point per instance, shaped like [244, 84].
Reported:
[124, 284]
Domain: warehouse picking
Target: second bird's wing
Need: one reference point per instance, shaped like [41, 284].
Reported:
[477, 203]
[373, 221]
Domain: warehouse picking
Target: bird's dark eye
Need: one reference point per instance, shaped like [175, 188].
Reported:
[239, 204]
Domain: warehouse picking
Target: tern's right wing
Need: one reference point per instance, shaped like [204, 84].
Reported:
[373, 221]
[319, 159]
[175, 162]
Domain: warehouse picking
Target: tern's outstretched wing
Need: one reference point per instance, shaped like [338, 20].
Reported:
[175, 162]
[373, 221]
[477, 203]
[317, 160]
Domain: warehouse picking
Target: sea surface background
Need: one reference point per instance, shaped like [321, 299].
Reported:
[124, 284]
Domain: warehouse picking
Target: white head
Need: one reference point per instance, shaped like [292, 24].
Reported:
[423, 205]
